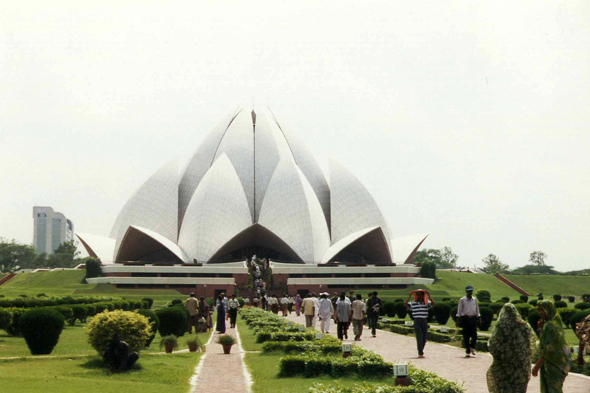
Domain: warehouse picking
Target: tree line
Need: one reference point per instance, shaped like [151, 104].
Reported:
[16, 256]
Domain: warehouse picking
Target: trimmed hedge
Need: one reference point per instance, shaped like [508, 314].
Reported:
[524, 309]
[401, 310]
[533, 319]
[556, 298]
[442, 313]
[41, 329]
[560, 304]
[154, 324]
[487, 316]
[524, 298]
[566, 314]
[173, 320]
[582, 306]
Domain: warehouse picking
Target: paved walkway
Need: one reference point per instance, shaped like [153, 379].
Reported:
[447, 361]
[218, 372]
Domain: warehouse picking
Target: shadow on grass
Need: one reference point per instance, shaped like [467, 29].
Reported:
[99, 364]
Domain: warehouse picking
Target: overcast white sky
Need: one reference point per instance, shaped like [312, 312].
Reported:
[465, 120]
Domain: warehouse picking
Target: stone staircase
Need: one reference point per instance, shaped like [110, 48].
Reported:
[6, 278]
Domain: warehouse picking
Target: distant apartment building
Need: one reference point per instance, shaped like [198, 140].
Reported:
[50, 230]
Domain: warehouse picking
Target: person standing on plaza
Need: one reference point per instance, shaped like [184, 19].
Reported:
[468, 318]
[290, 304]
[308, 310]
[220, 315]
[273, 304]
[419, 308]
[192, 305]
[343, 314]
[205, 312]
[374, 306]
[317, 310]
[233, 305]
[325, 313]
[358, 316]
[285, 304]
[297, 301]
[512, 345]
[554, 352]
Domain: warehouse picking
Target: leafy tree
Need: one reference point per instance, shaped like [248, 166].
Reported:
[448, 259]
[493, 265]
[69, 248]
[535, 269]
[428, 270]
[538, 258]
[14, 255]
[426, 255]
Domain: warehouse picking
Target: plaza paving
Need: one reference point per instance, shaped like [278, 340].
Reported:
[447, 361]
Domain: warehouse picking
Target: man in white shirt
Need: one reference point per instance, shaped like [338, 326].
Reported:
[317, 310]
[468, 318]
[325, 313]
[284, 304]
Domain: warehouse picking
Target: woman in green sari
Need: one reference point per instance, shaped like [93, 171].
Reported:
[512, 345]
[554, 353]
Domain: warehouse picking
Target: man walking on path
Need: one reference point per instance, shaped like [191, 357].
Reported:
[233, 306]
[308, 306]
[284, 304]
[374, 306]
[325, 313]
[468, 318]
[419, 308]
[343, 313]
[192, 305]
[358, 316]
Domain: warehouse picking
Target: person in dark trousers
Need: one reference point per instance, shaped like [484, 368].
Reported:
[343, 314]
[468, 318]
[374, 306]
[419, 308]
[233, 305]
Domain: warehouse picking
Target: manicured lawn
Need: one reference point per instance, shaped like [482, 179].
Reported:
[152, 373]
[553, 285]
[248, 339]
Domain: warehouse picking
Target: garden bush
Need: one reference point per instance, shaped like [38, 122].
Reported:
[506, 299]
[533, 302]
[67, 313]
[487, 316]
[428, 270]
[556, 297]
[389, 308]
[92, 268]
[518, 301]
[79, 312]
[578, 317]
[566, 314]
[524, 309]
[540, 296]
[41, 328]
[173, 320]
[533, 319]
[154, 324]
[401, 329]
[131, 327]
[125, 306]
[90, 310]
[442, 313]
[454, 313]
[401, 310]
[560, 304]
[149, 300]
[483, 295]
[496, 307]
[571, 299]
[524, 298]
[175, 302]
[5, 319]
[14, 326]
[582, 306]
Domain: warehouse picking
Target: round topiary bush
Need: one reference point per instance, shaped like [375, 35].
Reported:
[154, 324]
[524, 298]
[483, 295]
[454, 313]
[14, 327]
[401, 310]
[582, 306]
[67, 313]
[524, 309]
[149, 300]
[389, 308]
[533, 302]
[571, 299]
[173, 320]
[442, 313]
[533, 319]
[90, 310]
[487, 316]
[80, 313]
[131, 327]
[496, 307]
[5, 318]
[560, 304]
[506, 299]
[517, 301]
[566, 314]
[175, 302]
[556, 297]
[41, 328]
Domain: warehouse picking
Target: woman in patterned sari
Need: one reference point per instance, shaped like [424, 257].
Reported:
[512, 345]
[554, 352]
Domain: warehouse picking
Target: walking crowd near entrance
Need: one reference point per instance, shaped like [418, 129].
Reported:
[513, 343]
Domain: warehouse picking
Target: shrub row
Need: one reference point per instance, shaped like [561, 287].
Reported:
[432, 335]
[327, 345]
[22, 302]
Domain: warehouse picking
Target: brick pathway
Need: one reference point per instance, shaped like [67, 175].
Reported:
[222, 373]
[445, 360]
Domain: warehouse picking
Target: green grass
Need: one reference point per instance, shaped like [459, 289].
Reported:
[552, 285]
[152, 373]
[248, 339]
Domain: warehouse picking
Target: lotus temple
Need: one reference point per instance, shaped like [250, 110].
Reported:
[252, 188]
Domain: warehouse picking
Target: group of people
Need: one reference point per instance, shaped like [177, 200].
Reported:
[199, 314]
[513, 343]
[343, 310]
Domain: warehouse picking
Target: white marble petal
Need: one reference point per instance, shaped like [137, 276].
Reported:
[153, 206]
[405, 247]
[343, 243]
[217, 212]
[170, 245]
[353, 208]
[97, 246]
[200, 163]
[291, 210]
[267, 158]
